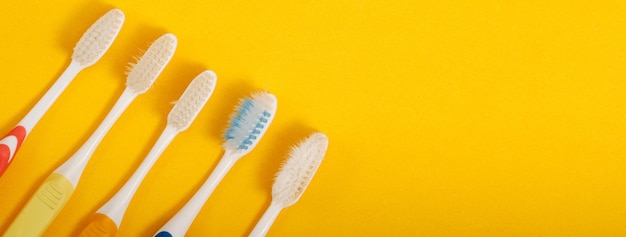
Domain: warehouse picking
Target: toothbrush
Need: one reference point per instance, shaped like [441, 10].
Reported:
[247, 125]
[56, 190]
[89, 49]
[293, 178]
[108, 219]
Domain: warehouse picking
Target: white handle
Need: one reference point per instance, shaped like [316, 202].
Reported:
[116, 207]
[73, 168]
[179, 224]
[266, 221]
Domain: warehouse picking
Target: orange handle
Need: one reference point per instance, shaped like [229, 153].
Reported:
[99, 226]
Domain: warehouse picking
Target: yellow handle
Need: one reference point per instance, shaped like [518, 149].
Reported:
[42, 207]
[99, 226]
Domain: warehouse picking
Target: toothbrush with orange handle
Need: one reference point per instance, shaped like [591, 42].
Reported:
[108, 218]
[89, 49]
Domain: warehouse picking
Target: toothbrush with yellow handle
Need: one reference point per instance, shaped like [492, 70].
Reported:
[89, 49]
[108, 218]
[293, 178]
[56, 190]
[248, 123]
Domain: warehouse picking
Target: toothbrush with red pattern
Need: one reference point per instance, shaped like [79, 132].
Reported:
[89, 49]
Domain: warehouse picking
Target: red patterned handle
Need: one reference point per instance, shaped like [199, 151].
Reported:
[9, 145]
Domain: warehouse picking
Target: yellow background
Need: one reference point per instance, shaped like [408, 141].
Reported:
[445, 118]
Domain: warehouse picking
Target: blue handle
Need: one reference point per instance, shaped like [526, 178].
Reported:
[163, 234]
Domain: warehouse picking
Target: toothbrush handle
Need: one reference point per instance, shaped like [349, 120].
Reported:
[99, 226]
[266, 221]
[73, 168]
[106, 221]
[178, 225]
[9, 145]
[42, 208]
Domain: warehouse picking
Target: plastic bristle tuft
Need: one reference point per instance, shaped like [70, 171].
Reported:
[143, 73]
[298, 170]
[98, 38]
[193, 99]
[250, 121]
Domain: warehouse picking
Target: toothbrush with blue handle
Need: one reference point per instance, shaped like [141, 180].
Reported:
[248, 124]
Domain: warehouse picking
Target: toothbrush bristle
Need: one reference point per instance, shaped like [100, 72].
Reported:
[298, 170]
[98, 38]
[151, 64]
[193, 99]
[250, 121]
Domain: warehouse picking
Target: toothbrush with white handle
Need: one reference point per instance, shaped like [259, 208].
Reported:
[89, 49]
[109, 217]
[247, 125]
[293, 178]
[53, 194]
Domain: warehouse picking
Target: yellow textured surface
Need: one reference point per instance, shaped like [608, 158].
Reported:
[445, 118]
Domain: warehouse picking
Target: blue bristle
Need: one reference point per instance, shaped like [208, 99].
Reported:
[244, 108]
[243, 112]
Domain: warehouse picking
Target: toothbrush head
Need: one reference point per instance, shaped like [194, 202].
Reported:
[193, 99]
[298, 170]
[249, 122]
[98, 38]
[143, 73]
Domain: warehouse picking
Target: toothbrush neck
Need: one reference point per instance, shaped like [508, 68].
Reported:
[116, 206]
[74, 167]
[179, 224]
[35, 114]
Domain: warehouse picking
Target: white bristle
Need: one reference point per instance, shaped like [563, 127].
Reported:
[249, 122]
[298, 170]
[98, 38]
[151, 64]
[193, 99]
